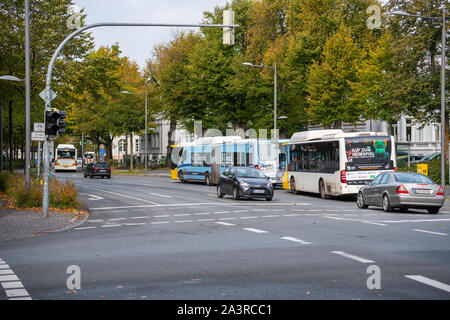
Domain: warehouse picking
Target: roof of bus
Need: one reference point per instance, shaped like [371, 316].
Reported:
[330, 134]
[65, 146]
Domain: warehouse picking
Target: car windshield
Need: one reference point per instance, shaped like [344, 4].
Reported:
[101, 165]
[249, 173]
[412, 178]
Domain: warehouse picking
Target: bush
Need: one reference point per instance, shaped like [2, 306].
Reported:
[62, 194]
[3, 178]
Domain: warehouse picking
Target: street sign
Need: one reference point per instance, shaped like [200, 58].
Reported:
[37, 136]
[39, 127]
[43, 95]
[102, 152]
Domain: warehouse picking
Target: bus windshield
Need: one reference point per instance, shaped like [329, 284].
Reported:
[369, 153]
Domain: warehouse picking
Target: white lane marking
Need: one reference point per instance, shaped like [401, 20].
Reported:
[125, 196]
[85, 228]
[241, 210]
[350, 256]
[12, 285]
[183, 221]
[97, 220]
[162, 216]
[227, 218]
[432, 232]
[295, 240]
[21, 298]
[117, 219]
[6, 271]
[334, 218]
[375, 223]
[204, 220]
[292, 215]
[4, 266]
[430, 282]
[139, 210]
[252, 217]
[13, 293]
[225, 223]
[11, 277]
[160, 222]
[140, 217]
[182, 215]
[119, 211]
[111, 225]
[159, 205]
[135, 224]
[201, 213]
[421, 220]
[160, 195]
[272, 216]
[93, 197]
[220, 212]
[255, 230]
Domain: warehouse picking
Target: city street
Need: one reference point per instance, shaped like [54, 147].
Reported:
[152, 238]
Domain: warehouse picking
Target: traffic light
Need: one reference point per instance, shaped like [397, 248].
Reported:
[61, 122]
[54, 123]
[51, 123]
[228, 33]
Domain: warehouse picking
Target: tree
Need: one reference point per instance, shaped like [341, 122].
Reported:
[330, 82]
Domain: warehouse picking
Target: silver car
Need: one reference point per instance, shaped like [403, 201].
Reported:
[402, 190]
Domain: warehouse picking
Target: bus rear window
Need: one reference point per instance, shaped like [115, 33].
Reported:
[66, 154]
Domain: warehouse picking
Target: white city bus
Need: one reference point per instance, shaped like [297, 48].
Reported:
[66, 157]
[331, 162]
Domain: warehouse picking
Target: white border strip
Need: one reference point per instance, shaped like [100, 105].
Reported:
[350, 256]
[430, 282]
[12, 285]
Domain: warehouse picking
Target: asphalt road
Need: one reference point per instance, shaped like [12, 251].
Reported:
[151, 238]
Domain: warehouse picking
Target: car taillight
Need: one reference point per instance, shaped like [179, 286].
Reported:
[256, 166]
[395, 169]
[109, 169]
[57, 162]
[401, 189]
[343, 176]
[440, 192]
[95, 168]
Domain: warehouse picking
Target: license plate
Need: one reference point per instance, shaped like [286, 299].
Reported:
[422, 191]
[259, 191]
[102, 170]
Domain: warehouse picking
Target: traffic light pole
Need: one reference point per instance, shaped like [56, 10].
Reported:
[45, 191]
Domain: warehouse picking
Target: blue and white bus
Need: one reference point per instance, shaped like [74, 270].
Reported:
[205, 159]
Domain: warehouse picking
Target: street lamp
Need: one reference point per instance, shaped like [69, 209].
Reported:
[443, 20]
[145, 137]
[274, 68]
[8, 78]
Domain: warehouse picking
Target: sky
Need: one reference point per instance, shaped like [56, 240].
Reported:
[138, 42]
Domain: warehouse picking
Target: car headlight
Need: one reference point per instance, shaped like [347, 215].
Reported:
[269, 185]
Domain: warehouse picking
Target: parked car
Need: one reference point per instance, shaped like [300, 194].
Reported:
[100, 169]
[402, 190]
[426, 159]
[244, 182]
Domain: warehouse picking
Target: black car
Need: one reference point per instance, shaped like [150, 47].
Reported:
[100, 169]
[244, 182]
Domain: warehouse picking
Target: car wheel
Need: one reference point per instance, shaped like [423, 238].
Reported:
[235, 193]
[207, 179]
[181, 176]
[90, 176]
[322, 191]
[219, 191]
[433, 210]
[386, 204]
[360, 201]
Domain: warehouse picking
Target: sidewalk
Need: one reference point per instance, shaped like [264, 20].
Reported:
[17, 224]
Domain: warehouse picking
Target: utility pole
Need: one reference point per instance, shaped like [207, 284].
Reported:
[27, 95]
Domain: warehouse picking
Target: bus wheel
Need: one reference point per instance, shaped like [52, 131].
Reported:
[208, 179]
[322, 191]
[292, 185]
